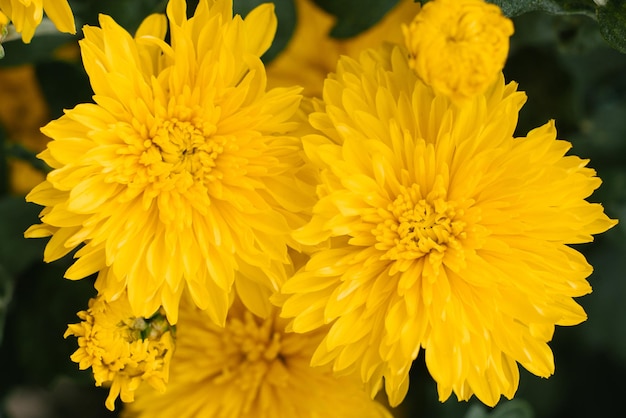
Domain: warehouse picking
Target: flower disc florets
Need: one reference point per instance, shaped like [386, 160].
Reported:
[185, 171]
[440, 231]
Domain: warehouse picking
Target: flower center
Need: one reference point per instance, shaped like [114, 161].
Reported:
[418, 226]
[255, 349]
[177, 147]
[139, 328]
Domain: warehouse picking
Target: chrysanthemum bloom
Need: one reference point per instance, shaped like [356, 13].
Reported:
[311, 53]
[184, 171]
[444, 232]
[458, 47]
[26, 15]
[250, 368]
[122, 350]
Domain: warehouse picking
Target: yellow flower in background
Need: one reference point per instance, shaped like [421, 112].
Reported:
[184, 173]
[311, 53]
[458, 47]
[26, 15]
[251, 368]
[23, 110]
[443, 232]
[122, 350]
[23, 176]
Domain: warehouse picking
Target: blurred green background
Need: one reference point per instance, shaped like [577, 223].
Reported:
[564, 64]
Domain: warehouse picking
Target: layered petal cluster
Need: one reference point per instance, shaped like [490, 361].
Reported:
[458, 47]
[312, 53]
[443, 232]
[251, 368]
[26, 15]
[184, 172]
[122, 350]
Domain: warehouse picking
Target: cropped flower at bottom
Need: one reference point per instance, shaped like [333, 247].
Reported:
[122, 350]
[251, 368]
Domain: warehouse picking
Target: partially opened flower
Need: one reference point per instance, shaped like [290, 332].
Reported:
[184, 172]
[458, 47]
[122, 350]
[443, 233]
[26, 15]
[251, 368]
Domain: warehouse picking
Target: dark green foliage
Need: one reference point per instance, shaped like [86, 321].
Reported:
[512, 409]
[17, 253]
[54, 77]
[40, 49]
[612, 19]
[518, 7]
[128, 14]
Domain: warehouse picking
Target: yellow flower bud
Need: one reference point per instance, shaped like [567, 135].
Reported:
[458, 47]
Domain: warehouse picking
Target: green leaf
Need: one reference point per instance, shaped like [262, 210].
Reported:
[612, 19]
[355, 16]
[477, 411]
[12, 149]
[517, 7]
[510, 409]
[611, 16]
[513, 409]
[286, 15]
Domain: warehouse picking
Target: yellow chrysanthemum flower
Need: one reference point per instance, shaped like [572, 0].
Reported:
[444, 232]
[184, 172]
[122, 350]
[458, 47]
[311, 53]
[26, 15]
[251, 368]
